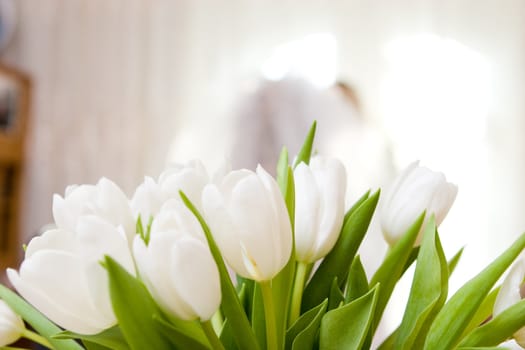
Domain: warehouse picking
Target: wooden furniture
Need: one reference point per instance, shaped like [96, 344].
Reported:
[14, 110]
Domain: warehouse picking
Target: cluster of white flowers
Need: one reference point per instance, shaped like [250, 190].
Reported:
[156, 237]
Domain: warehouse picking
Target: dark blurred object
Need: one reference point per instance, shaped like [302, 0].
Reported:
[14, 109]
[349, 92]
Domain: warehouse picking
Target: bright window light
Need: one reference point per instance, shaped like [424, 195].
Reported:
[313, 58]
[435, 87]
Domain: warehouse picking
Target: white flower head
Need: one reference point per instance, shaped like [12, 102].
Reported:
[62, 277]
[319, 207]
[176, 264]
[11, 325]
[250, 223]
[415, 190]
[104, 200]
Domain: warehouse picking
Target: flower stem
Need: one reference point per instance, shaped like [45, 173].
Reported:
[37, 338]
[269, 315]
[297, 296]
[211, 335]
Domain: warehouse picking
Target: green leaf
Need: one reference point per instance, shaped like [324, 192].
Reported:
[233, 310]
[389, 342]
[258, 320]
[282, 170]
[356, 205]
[454, 261]
[483, 348]
[179, 338]
[357, 282]
[93, 346]
[392, 268]
[245, 295]
[337, 262]
[282, 284]
[347, 327]
[39, 322]
[310, 319]
[428, 292]
[134, 308]
[498, 329]
[306, 338]
[227, 337]
[306, 151]
[111, 338]
[459, 310]
[483, 313]
[411, 258]
[336, 296]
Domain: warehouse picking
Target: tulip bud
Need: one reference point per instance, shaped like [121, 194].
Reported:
[104, 200]
[510, 293]
[250, 223]
[62, 277]
[190, 178]
[147, 199]
[415, 190]
[150, 196]
[176, 265]
[11, 325]
[319, 207]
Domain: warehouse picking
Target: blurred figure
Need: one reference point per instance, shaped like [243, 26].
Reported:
[280, 113]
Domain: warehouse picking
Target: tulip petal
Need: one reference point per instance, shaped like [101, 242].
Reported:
[98, 238]
[509, 293]
[153, 263]
[41, 281]
[195, 276]
[67, 210]
[11, 325]
[112, 205]
[56, 239]
[283, 238]
[307, 204]
[175, 216]
[190, 178]
[257, 227]
[412, 193]
[147, 199]
[223, 229]
[442, 200]
[330, 178]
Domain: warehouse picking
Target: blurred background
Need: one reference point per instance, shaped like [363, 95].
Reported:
[119, 88]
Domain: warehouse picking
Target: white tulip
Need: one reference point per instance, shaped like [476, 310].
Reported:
[415, 190]
[190, 178]
[147, 200]
[510, 294]
[176, 265]
[248, 218]
[105, 200]
[62, 276]
[11, 325]
[319, 207]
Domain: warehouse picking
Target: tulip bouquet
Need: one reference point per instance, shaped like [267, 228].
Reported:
[246, 261]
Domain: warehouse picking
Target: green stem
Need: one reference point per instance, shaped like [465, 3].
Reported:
[211, 335]
[297, 296]
[269, 315]
[37, 338]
